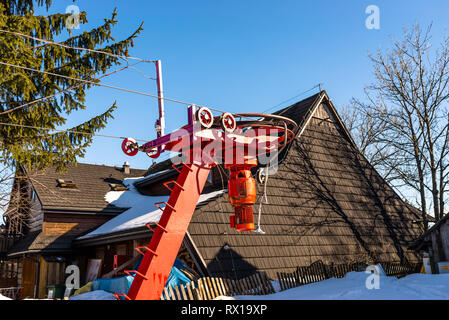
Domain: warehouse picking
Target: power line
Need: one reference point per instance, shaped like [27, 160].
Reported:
[118, 56]
[110, 86]
[103, 85]
[68, 131]
[75, 48]
[143, 74]
[57, 93]
[296, 96]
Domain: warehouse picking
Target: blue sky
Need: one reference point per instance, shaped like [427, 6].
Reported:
[239, 56]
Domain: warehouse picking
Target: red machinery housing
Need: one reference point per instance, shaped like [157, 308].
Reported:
[242, 195]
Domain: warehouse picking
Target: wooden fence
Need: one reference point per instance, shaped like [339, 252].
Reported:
[12, 292]
[210, 288]
[318, 271]
[400, 270]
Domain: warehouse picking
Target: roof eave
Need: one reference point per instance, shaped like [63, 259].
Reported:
[86, 211]
[118, 236]
[153, 179]
[39, 251]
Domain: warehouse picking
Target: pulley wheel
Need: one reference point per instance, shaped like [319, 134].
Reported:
[205, 117]
[228, 122]
[129, 147]
[154, 153]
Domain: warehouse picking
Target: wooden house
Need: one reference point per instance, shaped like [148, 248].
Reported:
[59, 208]
[434, 243]
[325, 202]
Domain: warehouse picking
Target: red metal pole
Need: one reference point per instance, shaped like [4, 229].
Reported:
[161, 253]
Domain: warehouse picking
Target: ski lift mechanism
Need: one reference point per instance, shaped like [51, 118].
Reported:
[230, 130]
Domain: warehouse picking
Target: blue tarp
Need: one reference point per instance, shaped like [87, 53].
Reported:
[122, 284]
[113, 285]
[176, 276]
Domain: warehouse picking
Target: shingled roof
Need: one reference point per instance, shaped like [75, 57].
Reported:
[92, 183]
[37, 242]
[326, 202]
[86, 195]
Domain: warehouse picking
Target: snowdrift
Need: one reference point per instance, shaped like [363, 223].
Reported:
[353, 287]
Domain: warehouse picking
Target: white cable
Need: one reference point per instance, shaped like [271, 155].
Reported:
[259, 229]
[75, 48]
[57, 93]
[103, 85]
[68, 131]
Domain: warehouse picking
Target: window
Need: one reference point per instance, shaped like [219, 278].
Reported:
[67, 184]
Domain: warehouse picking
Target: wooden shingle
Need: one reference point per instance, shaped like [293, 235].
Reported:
[325, 203]
[92, 183]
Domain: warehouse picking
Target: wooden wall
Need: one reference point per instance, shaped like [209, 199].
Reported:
[444, 230]
[71, 224]
[36, 217]
[28, 278]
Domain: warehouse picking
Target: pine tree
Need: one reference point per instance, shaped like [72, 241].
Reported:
[26, 144]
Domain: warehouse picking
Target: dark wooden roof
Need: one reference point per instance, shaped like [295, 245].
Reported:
[159, 166]
[92, 183]
[301, 109]
[326, 203]
[37, 242]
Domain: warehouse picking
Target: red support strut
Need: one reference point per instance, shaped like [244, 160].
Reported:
[165, 243]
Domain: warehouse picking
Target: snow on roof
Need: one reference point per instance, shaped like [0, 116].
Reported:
[141, 208]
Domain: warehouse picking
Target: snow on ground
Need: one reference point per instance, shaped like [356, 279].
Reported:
[141, 208]
[2, 297]
[352, 287]
[416, 286]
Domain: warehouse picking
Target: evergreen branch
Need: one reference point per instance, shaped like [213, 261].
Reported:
[51, 95]
[22, 7]
[57, 93]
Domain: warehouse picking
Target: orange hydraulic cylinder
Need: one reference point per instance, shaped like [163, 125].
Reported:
[242, 195]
